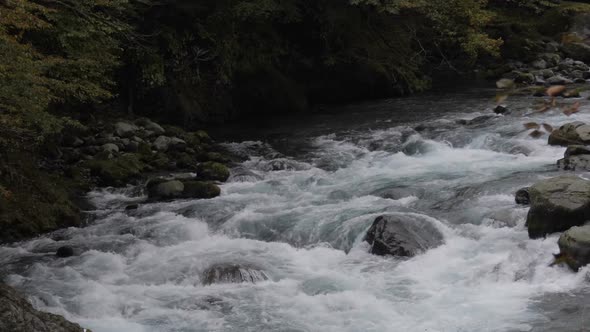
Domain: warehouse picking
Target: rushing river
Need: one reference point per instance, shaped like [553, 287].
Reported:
[298, 209]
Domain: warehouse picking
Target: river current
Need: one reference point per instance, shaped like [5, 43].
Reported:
[298, 207]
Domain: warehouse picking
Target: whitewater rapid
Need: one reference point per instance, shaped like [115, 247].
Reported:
[300, 216]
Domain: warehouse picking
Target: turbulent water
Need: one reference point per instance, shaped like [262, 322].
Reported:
[298, 208]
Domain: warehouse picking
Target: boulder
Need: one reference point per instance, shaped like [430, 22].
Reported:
[233, 273]
[578, 51]
[18, 315]
[552, 59]
[200, 189]
[214, 171]
[539, 64]
[151, 126]
[110, 147]
[574, 163]
[558, 204]
[124, 129]
[164, 143]
[165, 189]
[402, 235]
[522, 196]
[573, 133]
[574, 247]
[64, 252]
[501, 109]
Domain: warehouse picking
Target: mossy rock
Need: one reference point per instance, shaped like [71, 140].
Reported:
[117, 171]
[211, 170]
[200, 189]
[185, 161]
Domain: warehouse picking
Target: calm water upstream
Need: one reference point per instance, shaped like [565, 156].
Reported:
[298, 209]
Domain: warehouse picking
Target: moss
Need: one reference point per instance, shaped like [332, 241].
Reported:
[211, 170]
[33, 201]
[185, 160]
[200, 190]
[117, 171]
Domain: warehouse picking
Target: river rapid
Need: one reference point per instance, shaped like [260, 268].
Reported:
[298, 207]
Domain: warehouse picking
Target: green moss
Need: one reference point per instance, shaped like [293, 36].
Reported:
[199, 189]
[117, 171]
[211, 170]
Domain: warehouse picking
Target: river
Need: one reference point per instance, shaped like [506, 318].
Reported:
[298, 209]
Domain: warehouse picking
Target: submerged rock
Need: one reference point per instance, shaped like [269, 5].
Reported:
[522, 196]
[573, 133]
[230, 273]
[574, 247]
[18, 315]
[402, 235]
[64, 252]
[558, 204]
[501, 109]
[164, 189]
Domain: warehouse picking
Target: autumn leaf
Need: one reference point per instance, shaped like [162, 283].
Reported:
[548, 128]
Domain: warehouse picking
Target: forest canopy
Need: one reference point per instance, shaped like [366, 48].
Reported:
[211, 60]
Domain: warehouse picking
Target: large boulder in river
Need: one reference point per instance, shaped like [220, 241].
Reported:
[402, 235]
[211, 170]
[573, 133]
[558, 204]
[576, 157]
[574, 247]
[179, 188]
[232, 273]
[165, 189]
[18, 315]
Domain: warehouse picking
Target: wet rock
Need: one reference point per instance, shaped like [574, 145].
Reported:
[131, 207]
[573, 133]
[402, 235]
[124, 129]
[546, 73]
[522, 77]
[231, 273]
[574, 247]
[501, 109]
[399, 192]
[164, 189]
[18, 315]
[575, 150]
[558, 204]
[242, 174]
[522, 196]
[212, 171]
[574, 163]
[64, 252]
[200, 190]
[161, 143]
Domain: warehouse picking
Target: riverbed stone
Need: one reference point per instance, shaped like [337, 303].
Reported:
[521, 196]
[558, 204]
[165, 189]
[574, 247]
[18, 315]
[110, 147]
[124, 129]
[65, 251]
[578, 51]
[200, 189]
[214, 171]
[573, 133]
[404, 235]
[233, 273]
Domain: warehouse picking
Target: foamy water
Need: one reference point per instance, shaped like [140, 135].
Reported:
[301, 219]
